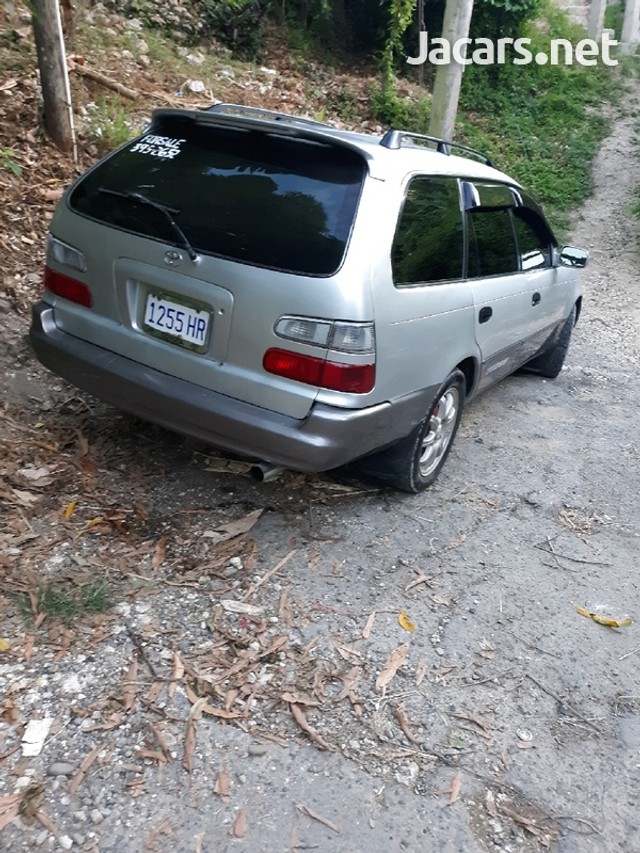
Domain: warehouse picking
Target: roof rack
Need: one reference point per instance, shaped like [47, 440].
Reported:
[259, 112]
[394, 138]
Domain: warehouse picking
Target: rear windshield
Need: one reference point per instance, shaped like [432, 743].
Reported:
[268, 200]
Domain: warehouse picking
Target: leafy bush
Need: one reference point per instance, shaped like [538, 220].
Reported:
[237, 23]
[541, 122]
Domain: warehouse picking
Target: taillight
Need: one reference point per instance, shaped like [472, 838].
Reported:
[333, 375]
[67, 287]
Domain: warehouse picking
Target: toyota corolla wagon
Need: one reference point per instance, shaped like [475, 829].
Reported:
[301, 295]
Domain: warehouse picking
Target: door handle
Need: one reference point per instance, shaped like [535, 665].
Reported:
[535, 299]
[485, 314]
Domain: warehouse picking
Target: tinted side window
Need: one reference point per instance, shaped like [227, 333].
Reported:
[492, 246]
[534, 239]
[429, 241]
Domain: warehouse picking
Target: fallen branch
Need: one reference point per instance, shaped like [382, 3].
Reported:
[269, 574]
[563, 703]
[98, 77]
[540, 547]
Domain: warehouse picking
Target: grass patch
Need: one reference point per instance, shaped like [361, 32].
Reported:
[109, 124]
[59, 601]
[542, 124]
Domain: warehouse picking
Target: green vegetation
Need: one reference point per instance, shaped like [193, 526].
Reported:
[109, 124]
[8, 162]
[60, 601]
[541, 123]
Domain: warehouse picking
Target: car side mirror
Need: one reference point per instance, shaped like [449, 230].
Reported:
[571, 256]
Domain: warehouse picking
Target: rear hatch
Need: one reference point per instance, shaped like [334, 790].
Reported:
[198, 237]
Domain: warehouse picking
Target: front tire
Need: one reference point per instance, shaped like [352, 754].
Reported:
[414, 463]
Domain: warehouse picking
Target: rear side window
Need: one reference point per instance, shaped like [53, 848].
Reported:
[492, 245]
[534, 239]
[429, 243]
[266, 200]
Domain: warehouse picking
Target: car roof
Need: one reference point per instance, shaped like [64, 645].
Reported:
[397, 152]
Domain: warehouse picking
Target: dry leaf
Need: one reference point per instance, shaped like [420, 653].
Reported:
[176, 674]
[239, 828]
[190, 734]
[300, 699]
[302, 721]
[24, 498]
[222, 785]
[9, 809]
[285, 613]
[159, 553]
[87, 761]
[349, 683]
[490, 804]
[233, 528]
[38, 477]
[229, 605]
[454, 792]
[310, 813]
[70, 507]
[392, 665]
[162, 743]
[405, 622]
[366, 631]
[421, 671]
[130, 685]
[51, 194]
[401, 717]
[602, 619]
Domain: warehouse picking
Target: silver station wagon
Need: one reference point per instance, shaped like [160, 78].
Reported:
[301, 295]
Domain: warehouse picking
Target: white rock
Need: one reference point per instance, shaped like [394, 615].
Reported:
[34, 736]
[71, 684]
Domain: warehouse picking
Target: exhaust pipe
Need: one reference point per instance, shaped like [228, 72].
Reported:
[263, 472]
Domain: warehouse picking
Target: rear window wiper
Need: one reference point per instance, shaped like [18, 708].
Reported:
[163, 208]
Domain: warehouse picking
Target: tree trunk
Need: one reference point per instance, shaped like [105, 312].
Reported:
[53, 72]
[446, 89]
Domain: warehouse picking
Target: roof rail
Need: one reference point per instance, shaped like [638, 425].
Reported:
[259, 112]
[394, 139]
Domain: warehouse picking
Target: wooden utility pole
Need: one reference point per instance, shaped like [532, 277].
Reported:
[446, 90]
[54, 78]
[597, 8]
[629, 36]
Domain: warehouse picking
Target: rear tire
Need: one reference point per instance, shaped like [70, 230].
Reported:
[414, 463]
[550, 363]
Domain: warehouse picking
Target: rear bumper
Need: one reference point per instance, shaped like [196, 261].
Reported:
[327, 438]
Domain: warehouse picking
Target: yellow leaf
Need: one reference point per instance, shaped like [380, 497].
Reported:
[4, 645]
[601, 619]
[70, 508]
[405, 622]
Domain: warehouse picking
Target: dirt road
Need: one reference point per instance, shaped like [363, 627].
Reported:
[512, 722]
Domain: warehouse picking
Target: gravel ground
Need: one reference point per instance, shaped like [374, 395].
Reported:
[314, 718]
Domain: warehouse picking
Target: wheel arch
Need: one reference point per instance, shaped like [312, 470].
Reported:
[469, 368]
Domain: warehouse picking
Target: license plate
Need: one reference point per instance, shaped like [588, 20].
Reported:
[176, 322]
